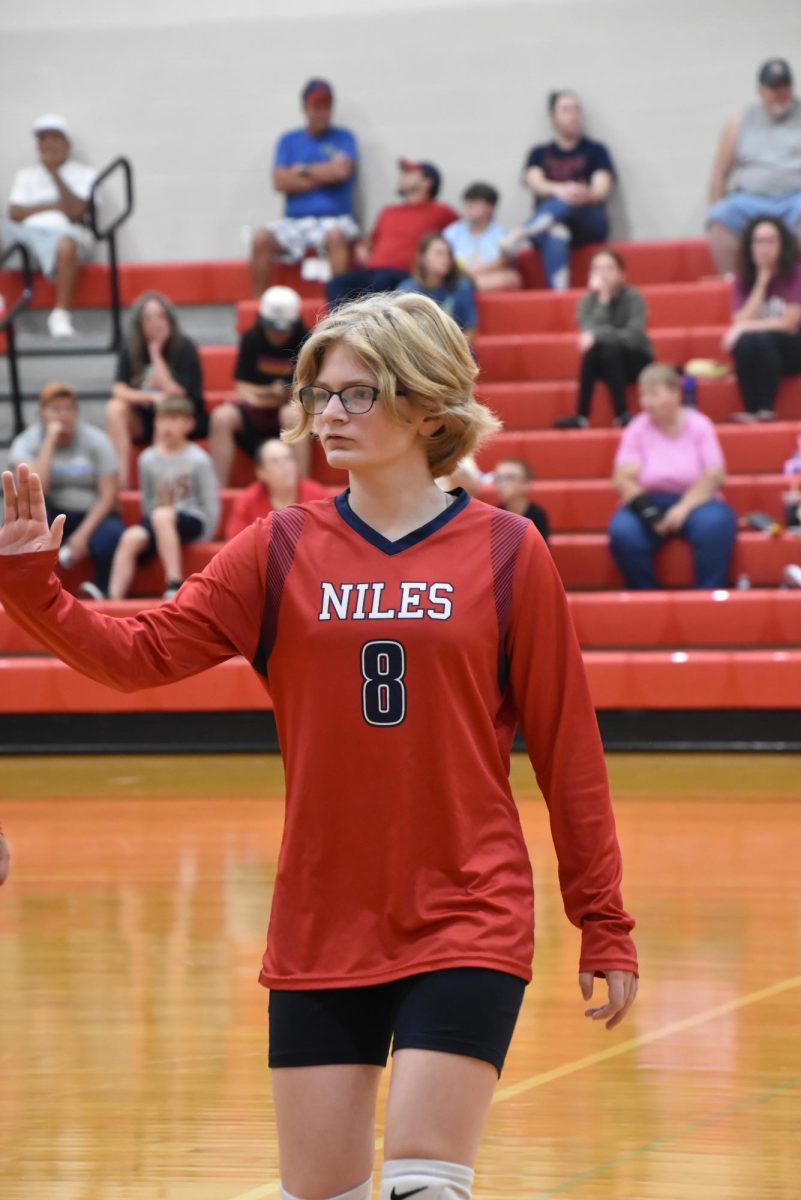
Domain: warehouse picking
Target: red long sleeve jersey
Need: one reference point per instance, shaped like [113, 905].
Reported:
[398, 671]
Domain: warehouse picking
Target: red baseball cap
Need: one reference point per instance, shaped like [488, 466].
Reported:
[428, 169]
[318, 89]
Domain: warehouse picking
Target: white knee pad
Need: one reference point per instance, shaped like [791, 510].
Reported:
[425, 1178]
[362, 1192]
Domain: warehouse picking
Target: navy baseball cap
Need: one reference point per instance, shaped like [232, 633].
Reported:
[318, 89]
[428, 169]
[775, 73]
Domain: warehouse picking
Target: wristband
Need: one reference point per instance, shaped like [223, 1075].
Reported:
[646, 509]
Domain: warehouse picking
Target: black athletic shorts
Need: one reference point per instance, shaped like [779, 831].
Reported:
[258, 424]
[189, 530]
[461, 1010]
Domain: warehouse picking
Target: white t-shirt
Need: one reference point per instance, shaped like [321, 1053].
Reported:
[35, 185]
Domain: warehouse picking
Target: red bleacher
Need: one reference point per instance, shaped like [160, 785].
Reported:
[672, 649]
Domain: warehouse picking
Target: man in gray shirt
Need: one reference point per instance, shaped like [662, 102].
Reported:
[78, 468]
[757, 169]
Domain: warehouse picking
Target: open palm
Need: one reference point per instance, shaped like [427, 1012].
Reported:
[25, 527]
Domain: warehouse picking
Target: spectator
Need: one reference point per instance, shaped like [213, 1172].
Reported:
[157, 360]
[314, 168]
[512, 478]
[78, 468]
[571, 178]
[757, 168]
[437, 275]
[47, 208]
[613, 343]
[180, 503]
[263, 381]
[277, 485]
[765, 336]
[668, 470]
[387, 254]
[476, 241]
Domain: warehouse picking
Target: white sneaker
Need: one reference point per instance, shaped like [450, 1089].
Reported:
[516, 239]
[792, 576]
[59, 324]
[316, 269]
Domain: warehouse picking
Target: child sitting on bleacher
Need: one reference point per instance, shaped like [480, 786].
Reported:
[436, 274]
[180, 501]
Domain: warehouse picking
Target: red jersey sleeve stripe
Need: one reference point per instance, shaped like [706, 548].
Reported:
[506, 534]
[285, 530]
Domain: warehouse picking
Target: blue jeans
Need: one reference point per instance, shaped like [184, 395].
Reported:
[710, 529]
[362, 281]
[102, 543]
[584, 223]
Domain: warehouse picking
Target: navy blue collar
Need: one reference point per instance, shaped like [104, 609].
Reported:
[460, 501]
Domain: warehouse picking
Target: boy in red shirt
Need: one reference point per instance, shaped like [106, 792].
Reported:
[387, 255]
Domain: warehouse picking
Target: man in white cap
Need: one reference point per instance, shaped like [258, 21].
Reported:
[47, 211]
[263, 381]
[757, 169]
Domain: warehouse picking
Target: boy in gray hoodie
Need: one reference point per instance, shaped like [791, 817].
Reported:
[180, 500]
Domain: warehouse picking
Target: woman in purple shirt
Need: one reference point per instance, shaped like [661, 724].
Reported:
[764, 338]
[668, 471]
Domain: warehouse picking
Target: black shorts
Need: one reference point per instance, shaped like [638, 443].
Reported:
[461, 1010]
[189, 530]
[258, 424]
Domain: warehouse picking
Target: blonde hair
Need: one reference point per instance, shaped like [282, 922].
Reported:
[413, 348]
[660, 375]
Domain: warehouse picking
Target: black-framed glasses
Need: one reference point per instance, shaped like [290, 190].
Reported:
[358, 398]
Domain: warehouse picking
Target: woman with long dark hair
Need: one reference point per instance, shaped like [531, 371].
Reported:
[764, 338]
[158, 359]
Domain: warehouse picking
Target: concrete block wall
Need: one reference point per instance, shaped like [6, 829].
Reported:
[197, 91]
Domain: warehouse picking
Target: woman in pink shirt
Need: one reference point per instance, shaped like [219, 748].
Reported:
[668, 470]
[764, 338]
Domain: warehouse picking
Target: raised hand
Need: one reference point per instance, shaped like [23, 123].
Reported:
[25, 529]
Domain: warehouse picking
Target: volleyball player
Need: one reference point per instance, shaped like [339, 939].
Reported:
[403, 633]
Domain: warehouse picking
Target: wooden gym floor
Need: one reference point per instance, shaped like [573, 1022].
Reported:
[132, 1029]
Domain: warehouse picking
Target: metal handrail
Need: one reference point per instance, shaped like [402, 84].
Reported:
[7, 320]
[122, 163]
[8, 316]
[109, 235]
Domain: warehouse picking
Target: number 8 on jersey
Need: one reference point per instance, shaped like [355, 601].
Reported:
[383, 690]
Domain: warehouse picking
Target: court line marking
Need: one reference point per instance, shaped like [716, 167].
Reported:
[691, 1127]
[645, 1039]
[591, 1060]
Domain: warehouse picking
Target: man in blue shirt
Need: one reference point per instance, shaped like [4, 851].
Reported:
[314, 167]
